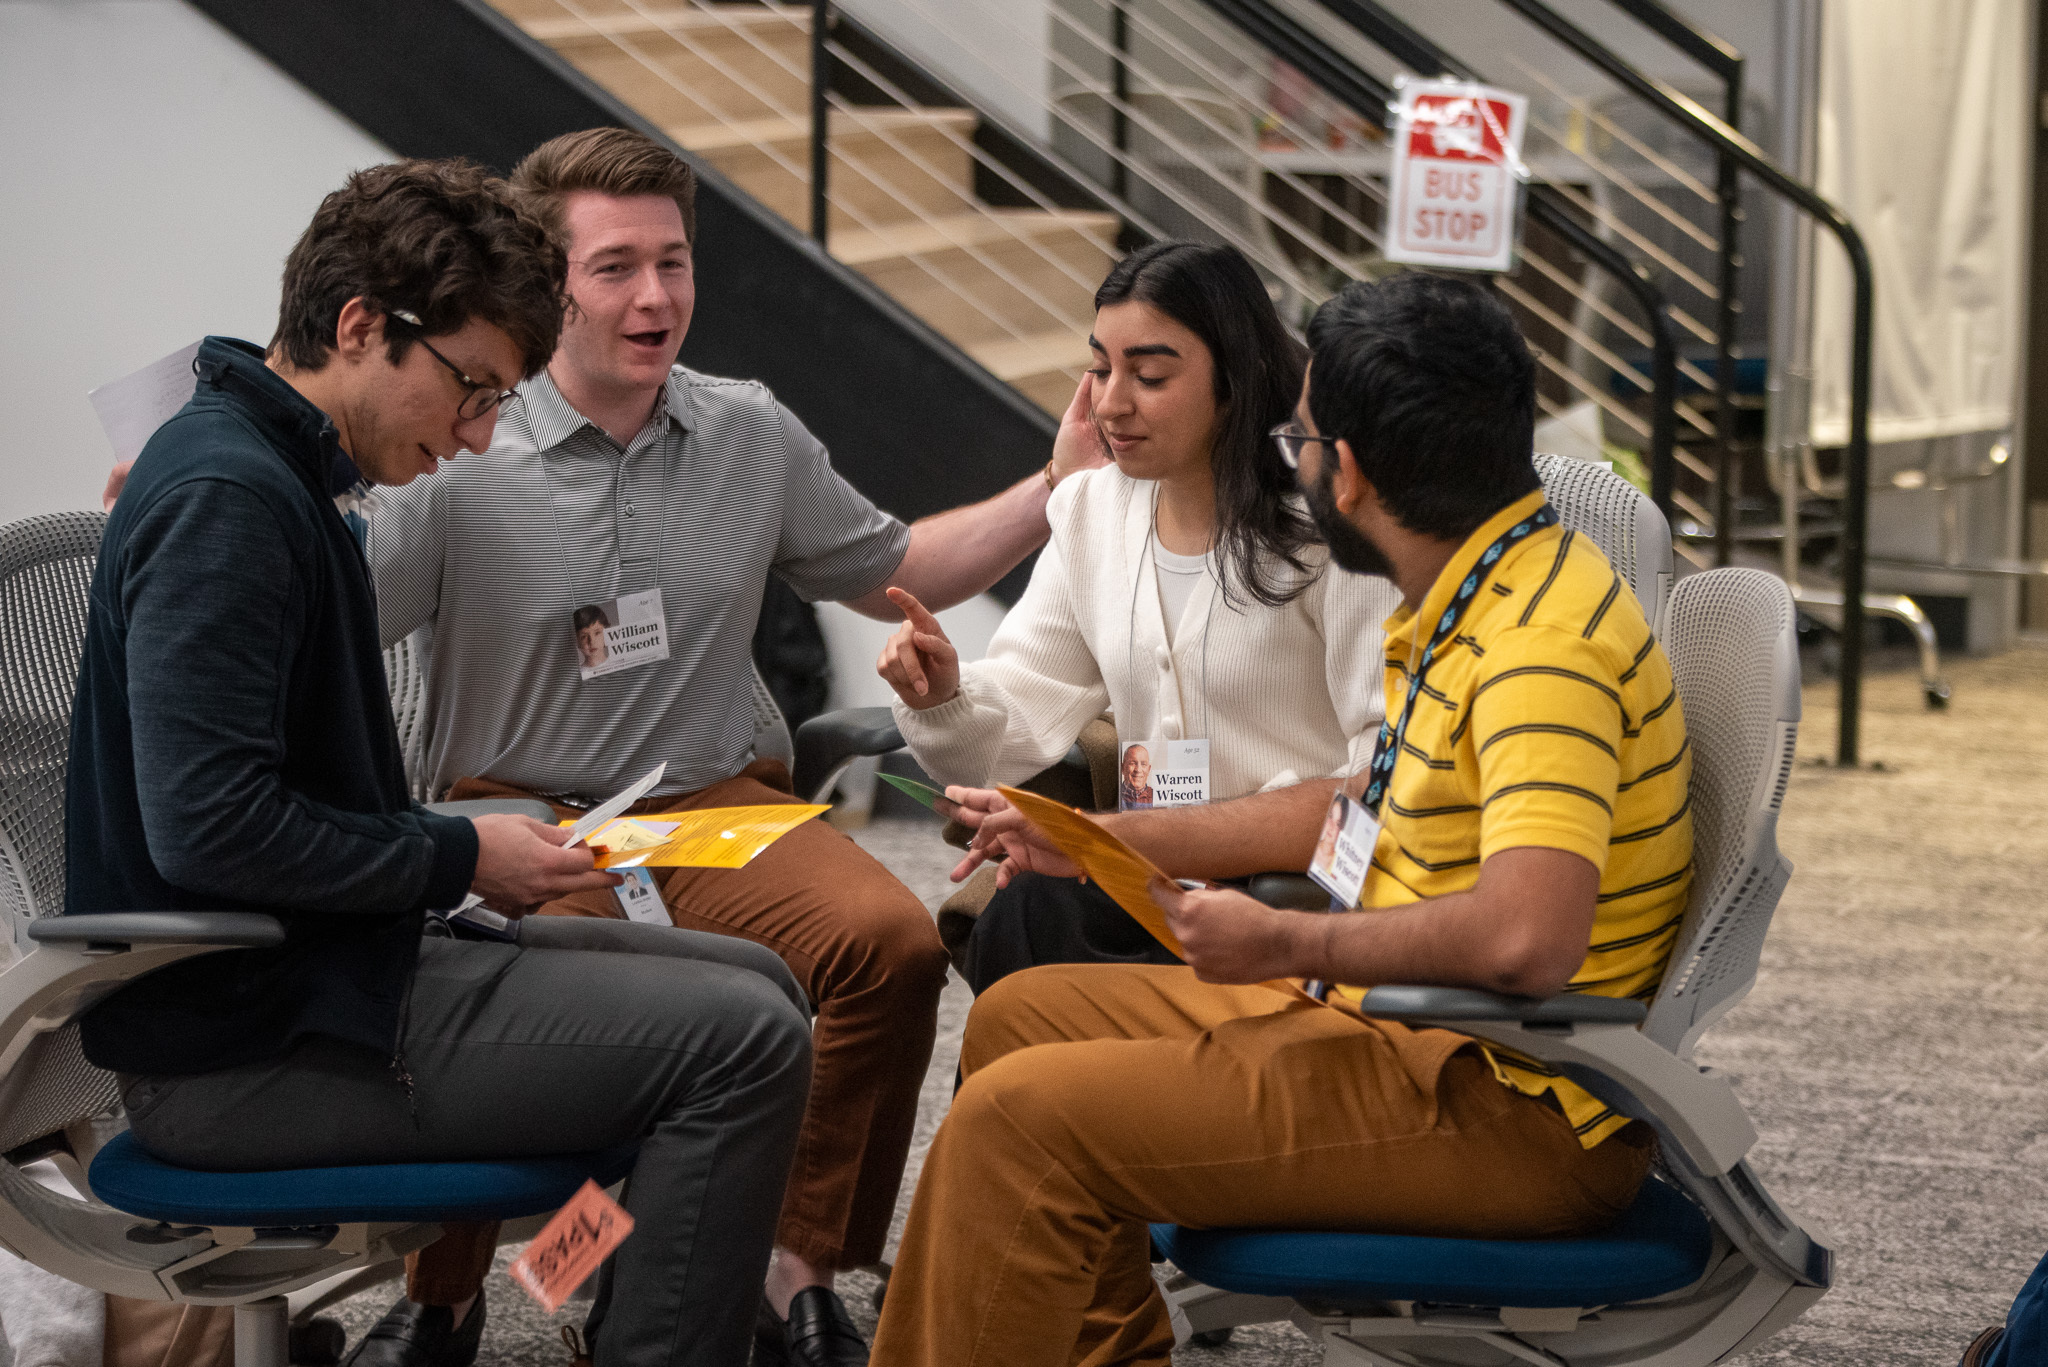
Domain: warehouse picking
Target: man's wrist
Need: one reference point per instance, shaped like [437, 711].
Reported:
[1307, 945]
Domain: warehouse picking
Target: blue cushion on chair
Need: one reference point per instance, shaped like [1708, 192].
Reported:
[1661, 1243]
[129, 1179]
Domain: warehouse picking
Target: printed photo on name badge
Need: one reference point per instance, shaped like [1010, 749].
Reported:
[1134, 777]
[619, 633]
[1162, 773]
[1344, 849]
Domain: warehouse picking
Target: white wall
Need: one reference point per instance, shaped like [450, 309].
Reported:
[156, 171]
[991, 51]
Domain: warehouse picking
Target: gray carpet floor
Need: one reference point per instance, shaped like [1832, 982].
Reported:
[1892, 1054]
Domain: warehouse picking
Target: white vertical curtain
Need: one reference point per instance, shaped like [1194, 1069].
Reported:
[1924, 141]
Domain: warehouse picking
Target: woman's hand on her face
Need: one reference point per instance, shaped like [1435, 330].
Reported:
[919, 662]
[1078, 446]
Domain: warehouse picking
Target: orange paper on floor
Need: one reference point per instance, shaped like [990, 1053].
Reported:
[570, 1246]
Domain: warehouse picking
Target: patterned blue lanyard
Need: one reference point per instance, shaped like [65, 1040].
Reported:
[1386, 751]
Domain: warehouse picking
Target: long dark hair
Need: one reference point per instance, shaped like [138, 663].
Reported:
[1214, 293]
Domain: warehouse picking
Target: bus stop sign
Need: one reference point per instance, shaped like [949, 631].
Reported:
[1455, 189]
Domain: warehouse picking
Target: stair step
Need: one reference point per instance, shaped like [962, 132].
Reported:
[558, 29]
[1018, 358]
[993, 228]
[692, 66]
[770, 160]
[1021, 273]
[779, 132]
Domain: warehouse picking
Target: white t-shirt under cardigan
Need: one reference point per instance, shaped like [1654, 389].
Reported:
[1281, 694]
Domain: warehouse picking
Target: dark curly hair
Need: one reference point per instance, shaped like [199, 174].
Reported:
[1214, 293]
[445, 240]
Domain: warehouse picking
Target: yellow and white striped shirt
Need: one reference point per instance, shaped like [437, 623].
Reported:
[1550, 719]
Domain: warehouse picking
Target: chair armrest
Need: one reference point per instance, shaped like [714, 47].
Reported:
[1694, 1111]
[1288, 891]
[227, 929]
[1404, 1003]
[496, 806]
[826, 744]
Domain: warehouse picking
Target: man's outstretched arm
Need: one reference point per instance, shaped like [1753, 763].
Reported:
[963, 551]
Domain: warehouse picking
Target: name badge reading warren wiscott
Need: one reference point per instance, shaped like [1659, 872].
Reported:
[624, 633]
[1162, 773]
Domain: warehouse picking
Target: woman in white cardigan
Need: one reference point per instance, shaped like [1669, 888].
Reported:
[1182, 591]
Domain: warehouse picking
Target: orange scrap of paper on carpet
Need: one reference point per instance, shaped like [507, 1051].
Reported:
[1121, 871]
[569, 1248]
[709, 838]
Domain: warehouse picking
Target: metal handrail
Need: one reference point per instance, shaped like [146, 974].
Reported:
[1718, 134]
[1370, 97]
[821, 121]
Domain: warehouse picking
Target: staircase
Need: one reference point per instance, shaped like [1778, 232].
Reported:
[731, 83]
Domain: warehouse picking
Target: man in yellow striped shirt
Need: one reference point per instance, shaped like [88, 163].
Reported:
[1536, 838]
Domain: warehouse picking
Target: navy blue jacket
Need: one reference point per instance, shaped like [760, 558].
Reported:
[232, 747]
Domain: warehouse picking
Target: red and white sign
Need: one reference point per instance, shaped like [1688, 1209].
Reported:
[1455, 189]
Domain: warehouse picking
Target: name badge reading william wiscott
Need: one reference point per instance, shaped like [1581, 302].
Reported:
[622, 633]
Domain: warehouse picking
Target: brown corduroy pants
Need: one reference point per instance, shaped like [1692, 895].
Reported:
[1099, 1098]
[868, 955]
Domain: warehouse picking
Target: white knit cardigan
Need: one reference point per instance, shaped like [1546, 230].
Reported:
[1290, 693]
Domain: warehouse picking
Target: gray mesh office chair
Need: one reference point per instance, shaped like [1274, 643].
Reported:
[1707, 1264]
[1622, 521]
[244, 1240]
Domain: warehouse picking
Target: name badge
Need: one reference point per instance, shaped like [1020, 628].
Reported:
[640, 899]
[1161, 773]
[1344, 850]
[624, 633]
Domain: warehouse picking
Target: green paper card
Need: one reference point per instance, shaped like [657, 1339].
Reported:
[923, 793]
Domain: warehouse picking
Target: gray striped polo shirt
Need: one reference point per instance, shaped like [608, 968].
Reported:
[494, 554]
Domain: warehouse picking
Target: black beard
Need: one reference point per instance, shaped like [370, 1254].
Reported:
[1349, 547]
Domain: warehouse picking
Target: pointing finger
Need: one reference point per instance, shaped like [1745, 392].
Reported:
[915, 612]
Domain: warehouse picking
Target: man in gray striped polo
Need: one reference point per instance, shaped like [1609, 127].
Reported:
[624, 489]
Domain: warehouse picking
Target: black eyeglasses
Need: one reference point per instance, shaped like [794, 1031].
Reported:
[1289, 437]
[480, 398]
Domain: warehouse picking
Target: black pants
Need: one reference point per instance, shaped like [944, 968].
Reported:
[1041, 920]
[600, 1033]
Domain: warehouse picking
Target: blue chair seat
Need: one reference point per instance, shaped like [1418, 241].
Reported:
[1660, 1244]
[128, 1179]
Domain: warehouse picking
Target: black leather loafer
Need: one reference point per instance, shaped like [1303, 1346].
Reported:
[415, 1335]
[1981, 1346]
[818, 1333]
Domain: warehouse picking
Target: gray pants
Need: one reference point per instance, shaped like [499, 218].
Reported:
[585, 1035]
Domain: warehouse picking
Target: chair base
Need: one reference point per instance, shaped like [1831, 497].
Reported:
[263, 1333]
[1735, 1307]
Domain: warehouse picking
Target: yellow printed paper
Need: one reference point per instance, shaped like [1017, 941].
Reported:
[625, 835]
[1121, 871]
[711, 838]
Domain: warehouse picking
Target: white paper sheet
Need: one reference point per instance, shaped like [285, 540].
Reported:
[131, 408]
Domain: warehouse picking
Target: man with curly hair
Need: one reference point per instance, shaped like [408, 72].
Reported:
[233, 749]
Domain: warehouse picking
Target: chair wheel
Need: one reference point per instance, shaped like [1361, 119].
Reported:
[881, 1287]
[1937, 695]
[316, 1343]
[1211, 1338]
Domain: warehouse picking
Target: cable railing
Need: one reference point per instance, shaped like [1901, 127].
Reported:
[1177, 117]
[937, 216]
